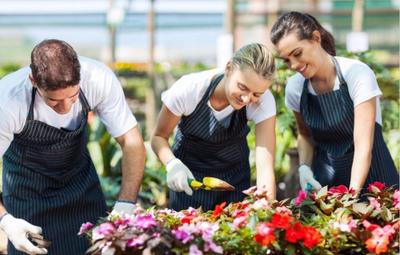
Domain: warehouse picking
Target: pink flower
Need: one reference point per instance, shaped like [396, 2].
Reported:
[264, 229]
[134, 242]
[374, 203]
[261, 204]
[145, 222]
[396, 199]
[376, 186]
[283, 210]
[85, 228]
[103, 230]
[300, 197]
[194, 250]
[345, 227]
[211, 246]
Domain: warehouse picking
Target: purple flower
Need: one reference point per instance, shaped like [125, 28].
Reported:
[85, 228]
[145, 222]
[194, 250]
[182, 235]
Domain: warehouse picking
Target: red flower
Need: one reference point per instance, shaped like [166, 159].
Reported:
[294, 233]
[379, 185]
[369, 226]
[281, 221]
[341, 189]
[218, 209]
[312, 237]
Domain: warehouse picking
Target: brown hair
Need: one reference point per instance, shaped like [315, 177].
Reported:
[304, 25]
[55, 65]
[257, 57]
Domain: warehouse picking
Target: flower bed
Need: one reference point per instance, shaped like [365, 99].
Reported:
[330, 221]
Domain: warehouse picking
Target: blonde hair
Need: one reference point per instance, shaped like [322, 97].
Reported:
[257, 57]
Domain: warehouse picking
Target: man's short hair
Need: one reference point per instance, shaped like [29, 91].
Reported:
[55, 65]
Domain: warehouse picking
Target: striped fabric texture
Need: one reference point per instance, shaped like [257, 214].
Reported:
[50, 181]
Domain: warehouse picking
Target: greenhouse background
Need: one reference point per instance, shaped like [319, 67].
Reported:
[151, 43]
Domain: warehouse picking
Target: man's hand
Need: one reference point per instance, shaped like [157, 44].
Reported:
[307, 176]
[17, 231]
[177, 176]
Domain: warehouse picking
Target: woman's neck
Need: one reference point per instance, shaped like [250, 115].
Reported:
[324, 79]
[218, 98]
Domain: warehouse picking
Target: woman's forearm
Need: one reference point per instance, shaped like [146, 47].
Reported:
[162, 149]
[265, 171]
[306, 149]
[360, 168]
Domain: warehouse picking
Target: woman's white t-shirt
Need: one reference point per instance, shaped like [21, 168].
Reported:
[360, 80]
[186, 93]
[98, 83]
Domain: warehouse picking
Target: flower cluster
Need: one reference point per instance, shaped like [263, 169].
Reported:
[330, 221]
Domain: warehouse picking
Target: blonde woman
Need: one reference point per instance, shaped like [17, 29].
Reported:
[212, 109]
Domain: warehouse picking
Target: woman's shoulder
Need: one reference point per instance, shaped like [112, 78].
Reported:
[349, 65]
[294, 83]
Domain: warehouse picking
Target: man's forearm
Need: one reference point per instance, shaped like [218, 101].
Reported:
[133, 162]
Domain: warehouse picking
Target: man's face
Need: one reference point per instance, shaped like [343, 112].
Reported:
[60, 100]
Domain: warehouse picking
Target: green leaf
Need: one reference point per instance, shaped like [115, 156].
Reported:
[386, 214]
[322, 193]
[362, 208]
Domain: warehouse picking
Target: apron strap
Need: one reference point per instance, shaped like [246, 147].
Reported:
[338, 71]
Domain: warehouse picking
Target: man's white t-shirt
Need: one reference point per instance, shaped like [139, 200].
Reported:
[98, 83]
[186, 93]
[360, 80]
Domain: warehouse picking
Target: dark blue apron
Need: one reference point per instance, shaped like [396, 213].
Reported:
[330, 118]
[208, 148]
[50, 181]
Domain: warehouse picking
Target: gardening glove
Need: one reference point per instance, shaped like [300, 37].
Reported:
[124, 207]
[177, 176]
[17, 232]
[307, 177]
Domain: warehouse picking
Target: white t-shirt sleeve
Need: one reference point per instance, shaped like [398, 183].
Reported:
[361, 82]
[177, 97]
[263, 109]
[7, 127]
[107, 99]
[186, 93]
[293, 91]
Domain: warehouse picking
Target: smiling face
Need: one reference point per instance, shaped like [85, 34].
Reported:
[303, 56]
[243, 87]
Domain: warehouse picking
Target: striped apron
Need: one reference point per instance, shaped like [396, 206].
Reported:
[209, 148]
[50, 181]
[330, 118]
